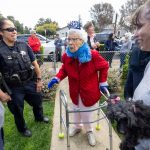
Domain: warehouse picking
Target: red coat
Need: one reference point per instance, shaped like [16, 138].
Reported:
[34, 43]
[83, 78]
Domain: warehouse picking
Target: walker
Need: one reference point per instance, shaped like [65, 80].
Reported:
[66, 121]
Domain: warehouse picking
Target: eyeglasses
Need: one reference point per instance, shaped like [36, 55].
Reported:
[73, 39]
[10, 29]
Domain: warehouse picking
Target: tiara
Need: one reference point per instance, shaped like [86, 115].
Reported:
[74, 25]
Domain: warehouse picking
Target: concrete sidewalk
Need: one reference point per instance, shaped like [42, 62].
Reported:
[79, 142]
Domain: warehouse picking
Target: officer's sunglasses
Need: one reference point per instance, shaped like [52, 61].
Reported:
[11, 29]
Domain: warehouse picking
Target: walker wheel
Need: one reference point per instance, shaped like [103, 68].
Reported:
[98, 127]
[61, 135]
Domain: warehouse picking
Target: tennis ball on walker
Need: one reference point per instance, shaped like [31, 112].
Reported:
[61, 135]
[98, 127]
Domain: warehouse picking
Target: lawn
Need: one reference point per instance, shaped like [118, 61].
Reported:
[41, 132]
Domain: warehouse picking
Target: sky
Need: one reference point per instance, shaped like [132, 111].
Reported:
[28, 12]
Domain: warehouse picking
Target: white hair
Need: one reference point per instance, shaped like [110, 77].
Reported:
[32, 31]
[128, 35]
[82, 34]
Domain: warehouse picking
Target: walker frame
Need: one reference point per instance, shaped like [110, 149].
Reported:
[66, 122]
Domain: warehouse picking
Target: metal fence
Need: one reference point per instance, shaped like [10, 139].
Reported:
[116, 59]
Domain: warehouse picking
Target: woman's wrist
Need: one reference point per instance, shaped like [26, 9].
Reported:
[38, 79]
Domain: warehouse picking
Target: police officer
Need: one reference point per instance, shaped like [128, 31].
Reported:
[18, 65]
[4, 97]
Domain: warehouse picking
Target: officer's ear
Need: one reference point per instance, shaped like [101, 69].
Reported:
[1, 35]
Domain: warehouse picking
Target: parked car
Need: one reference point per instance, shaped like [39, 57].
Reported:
[48, 45]
[102, 37]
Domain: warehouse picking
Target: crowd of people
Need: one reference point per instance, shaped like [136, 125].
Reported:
[86, 69]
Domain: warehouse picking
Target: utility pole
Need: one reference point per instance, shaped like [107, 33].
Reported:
[115, 24]
[80, 24]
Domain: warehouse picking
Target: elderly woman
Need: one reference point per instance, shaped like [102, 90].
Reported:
[81, 65]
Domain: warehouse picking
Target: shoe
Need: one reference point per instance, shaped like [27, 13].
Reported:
[27, 133]
[45, 120]
[91, 138]
[74, 131]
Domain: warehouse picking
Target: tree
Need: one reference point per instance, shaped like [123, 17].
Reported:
[41, 21]
[126, 12]
[49, 28]
[1, 16]
[27, 30]
[18, 25]
[102, 14]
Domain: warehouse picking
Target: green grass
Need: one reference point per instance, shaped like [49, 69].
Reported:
[41, 132]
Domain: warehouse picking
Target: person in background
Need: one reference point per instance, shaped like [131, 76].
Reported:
[110, 46]
[125, 47]
[137, 63]
[35, 44]
[18, 66]
[91, 39]
[58, 47]
[81, 65]
[65, 42]
[4, 97]
[141, 19]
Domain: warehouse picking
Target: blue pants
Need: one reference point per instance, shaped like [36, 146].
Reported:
[16, 105]
[122, 59]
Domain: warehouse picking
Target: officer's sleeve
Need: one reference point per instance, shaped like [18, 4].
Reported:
[31, 54]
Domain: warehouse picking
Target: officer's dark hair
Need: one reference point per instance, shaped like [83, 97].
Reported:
[2, 22]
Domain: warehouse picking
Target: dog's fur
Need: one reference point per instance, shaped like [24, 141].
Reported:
[137, 126]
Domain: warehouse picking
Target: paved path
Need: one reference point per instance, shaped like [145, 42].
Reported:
[79, 142]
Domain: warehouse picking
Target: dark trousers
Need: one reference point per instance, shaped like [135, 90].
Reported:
[58, 52]
[1, 139]
[109, 57]
[122, 59]
[16, 105]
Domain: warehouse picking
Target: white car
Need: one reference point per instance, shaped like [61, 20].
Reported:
[49, 47]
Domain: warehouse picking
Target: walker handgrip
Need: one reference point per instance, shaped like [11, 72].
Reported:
[107, 93]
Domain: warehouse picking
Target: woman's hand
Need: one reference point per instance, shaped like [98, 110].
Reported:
[4, 97]
[39, 86]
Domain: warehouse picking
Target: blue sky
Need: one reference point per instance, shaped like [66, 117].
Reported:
[62, 11]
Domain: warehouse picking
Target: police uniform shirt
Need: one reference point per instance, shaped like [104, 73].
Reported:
[14, 48]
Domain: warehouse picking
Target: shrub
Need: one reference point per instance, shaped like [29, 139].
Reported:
[46, 76]
[114, 80]
[125, 68]
[102, 47]
[42, 52]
